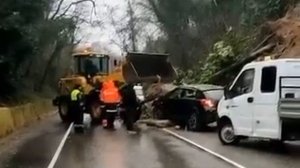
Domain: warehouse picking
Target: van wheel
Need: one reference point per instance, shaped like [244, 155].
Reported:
[226, 134]
[63, 111]
[195, 122]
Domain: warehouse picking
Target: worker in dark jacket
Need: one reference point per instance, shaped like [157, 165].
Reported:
[76, 107]
[130, 103]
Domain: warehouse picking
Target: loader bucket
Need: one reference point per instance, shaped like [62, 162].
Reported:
[142, 67]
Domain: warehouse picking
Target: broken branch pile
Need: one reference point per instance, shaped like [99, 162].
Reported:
[282, 42]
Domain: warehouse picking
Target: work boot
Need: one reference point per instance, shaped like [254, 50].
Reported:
[79, 128]
[111, 127]
[133, 131]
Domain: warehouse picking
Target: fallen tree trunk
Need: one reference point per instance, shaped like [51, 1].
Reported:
[156, 123]
[262, 43]
[254, 55]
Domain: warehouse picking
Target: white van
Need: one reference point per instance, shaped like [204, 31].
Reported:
[262, 102]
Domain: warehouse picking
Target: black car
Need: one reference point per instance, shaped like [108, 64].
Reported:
[193, 106]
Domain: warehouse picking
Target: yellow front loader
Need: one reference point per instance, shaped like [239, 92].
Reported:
[91, 69]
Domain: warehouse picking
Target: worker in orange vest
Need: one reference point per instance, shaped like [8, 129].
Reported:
[110, 97]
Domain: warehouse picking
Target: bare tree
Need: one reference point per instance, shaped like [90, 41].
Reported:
[67, 33]
[120, 32]
[132, 25]
[62, 12]
[127, 28]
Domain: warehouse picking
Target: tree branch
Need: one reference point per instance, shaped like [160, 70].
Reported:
[156, 11]
[132, 26]
[119, 31]
[57, 9]
[76, 3]
[263, 42]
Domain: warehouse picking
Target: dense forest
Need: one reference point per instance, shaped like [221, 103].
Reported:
[202, 36]
[37, 37]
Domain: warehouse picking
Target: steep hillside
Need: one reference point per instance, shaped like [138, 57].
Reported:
[287, 34]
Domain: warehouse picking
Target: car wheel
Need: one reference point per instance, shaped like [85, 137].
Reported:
[63, 111]
[195, 122]
[226, 134]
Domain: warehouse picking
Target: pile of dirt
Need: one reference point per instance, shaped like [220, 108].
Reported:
[152, 92]
[158, 89]
[287, 34]
[281, 40]
[156, 123]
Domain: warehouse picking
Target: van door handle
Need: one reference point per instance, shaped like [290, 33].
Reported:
[232, 106]
[250, 99]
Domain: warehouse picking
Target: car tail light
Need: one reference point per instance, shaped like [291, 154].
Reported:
[207, 104]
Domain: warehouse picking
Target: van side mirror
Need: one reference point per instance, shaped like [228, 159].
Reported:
[228, 94]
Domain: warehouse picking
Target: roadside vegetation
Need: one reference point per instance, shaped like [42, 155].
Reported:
[37, 37]
[205, 37]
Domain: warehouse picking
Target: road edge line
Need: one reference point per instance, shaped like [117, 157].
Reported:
[60, 147]
[235, 164]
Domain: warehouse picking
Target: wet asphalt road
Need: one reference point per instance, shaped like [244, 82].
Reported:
[99, 148]
[35, 146]
[250, 153]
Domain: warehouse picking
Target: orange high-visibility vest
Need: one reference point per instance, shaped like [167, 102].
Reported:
[110, 93]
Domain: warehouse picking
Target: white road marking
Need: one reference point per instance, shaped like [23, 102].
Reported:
[203, 148]
[60, 147]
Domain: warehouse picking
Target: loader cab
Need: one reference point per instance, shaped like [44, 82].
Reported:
[91, 64]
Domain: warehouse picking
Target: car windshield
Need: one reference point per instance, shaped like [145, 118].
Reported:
[92, 65]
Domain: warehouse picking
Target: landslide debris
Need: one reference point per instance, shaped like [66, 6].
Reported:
[286, 32]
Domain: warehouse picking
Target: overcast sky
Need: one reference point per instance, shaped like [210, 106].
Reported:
[106, 32]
